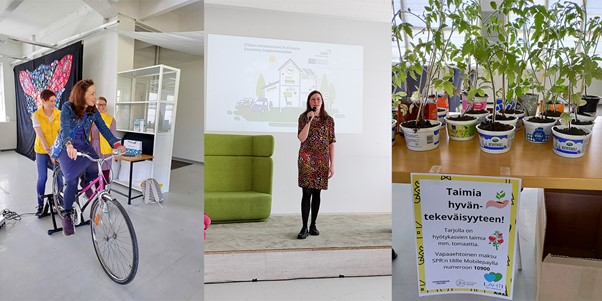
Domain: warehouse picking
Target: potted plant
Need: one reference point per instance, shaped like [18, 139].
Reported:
[587, 40]
[403, 108]
[426, 58]
[536, 48]
[575, 70]
[494, 55]
[474, 100]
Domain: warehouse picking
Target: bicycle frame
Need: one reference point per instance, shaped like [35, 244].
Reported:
[116, 247]
[100, 180]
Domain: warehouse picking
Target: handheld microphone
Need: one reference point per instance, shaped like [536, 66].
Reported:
[313, 110]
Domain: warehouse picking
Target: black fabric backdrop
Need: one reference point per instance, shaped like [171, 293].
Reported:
[57, 71]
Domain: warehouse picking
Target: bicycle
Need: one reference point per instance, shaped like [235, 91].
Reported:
[112, 231]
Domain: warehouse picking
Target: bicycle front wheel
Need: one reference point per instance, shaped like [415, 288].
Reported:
[114, 239]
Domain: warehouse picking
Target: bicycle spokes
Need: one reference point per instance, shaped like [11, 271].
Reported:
[115, 241]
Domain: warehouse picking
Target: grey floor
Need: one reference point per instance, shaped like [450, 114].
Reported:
[405, 280]
[37, 266]
[329, 289]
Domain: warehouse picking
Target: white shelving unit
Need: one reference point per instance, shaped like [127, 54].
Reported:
[145, 104]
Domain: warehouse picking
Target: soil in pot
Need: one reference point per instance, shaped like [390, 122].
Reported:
[582, 122]
[495, 126]
[541, 120]
[550, 113]
[571, 131]
[422, 123]
[512, 111]
[504, 117]
[476, 112]
[461, 118]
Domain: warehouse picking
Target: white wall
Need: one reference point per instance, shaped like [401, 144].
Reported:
[8, 130]
[188, 135]
[100, 65]
[362, 180]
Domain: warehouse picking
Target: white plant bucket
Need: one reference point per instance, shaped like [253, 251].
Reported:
[570, 146]
[586, 117]
[461, 130]
[422, 139]
[538, 132]
[589, 127]
[495, 142]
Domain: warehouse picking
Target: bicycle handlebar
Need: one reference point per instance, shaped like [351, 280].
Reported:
[100, 160]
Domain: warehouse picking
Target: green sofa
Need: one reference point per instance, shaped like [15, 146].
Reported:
[238, 177]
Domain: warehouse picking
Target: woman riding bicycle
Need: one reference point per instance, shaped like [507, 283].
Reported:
[77, 116]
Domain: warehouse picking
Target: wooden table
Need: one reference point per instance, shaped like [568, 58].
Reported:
[536, 164]
[132, 160]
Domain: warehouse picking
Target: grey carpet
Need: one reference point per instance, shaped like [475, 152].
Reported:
[279, 232]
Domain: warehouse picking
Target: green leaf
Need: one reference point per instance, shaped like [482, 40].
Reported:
[565, 118]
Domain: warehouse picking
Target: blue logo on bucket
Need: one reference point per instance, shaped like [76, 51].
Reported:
[538, 136]
[494, 142]
[569, 146]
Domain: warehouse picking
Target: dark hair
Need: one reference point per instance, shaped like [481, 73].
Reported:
[323, 113]
[46, 94]
[78, 98]
[103, 98]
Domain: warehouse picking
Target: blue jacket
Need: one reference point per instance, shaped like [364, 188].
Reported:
[69, 122]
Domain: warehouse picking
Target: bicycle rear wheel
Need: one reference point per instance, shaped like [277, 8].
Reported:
[57, 194]
[114, 239]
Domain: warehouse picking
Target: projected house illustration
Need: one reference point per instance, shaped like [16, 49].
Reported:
[284, 98]
[261, 85]
[293, 83]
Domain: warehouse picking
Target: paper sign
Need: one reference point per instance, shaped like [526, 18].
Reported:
[465, 233]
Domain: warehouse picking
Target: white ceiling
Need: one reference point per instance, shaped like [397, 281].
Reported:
[21, 21]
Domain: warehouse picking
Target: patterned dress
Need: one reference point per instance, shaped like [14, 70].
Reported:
[314, 157]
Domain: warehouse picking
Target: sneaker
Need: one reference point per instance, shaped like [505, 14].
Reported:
[313, 230]
[39, 210]
[302, 234]
[68, 228]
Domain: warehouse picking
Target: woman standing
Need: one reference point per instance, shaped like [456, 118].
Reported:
[99, 143]
[316, 158]
[77, 117]
[46, 124]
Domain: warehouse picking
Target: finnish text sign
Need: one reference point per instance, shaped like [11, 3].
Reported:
[465, 233]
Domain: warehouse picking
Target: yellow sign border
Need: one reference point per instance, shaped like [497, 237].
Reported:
[512, 236]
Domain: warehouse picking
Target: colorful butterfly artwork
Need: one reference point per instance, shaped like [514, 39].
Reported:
[53, 77]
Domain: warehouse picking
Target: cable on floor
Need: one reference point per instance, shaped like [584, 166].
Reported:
[11, 215]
